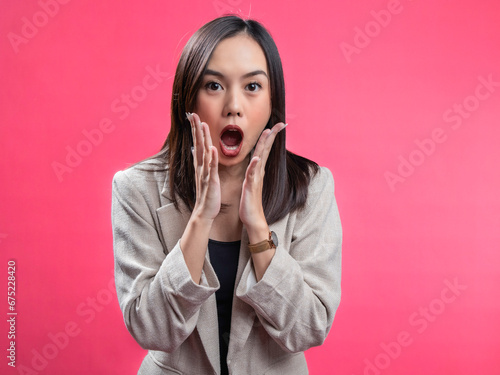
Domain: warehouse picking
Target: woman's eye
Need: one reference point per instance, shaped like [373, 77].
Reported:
[213, 86]
[254, 86]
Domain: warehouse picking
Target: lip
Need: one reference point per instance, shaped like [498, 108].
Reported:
[232, 152]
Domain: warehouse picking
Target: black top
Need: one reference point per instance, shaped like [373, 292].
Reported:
[224, 259]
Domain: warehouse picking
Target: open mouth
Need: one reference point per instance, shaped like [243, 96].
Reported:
[231, 140]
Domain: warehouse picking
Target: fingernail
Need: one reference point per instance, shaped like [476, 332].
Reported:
[188, 115]
[284, 127]
[192, 149]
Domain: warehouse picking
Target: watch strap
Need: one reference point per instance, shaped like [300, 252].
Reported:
[262, 245]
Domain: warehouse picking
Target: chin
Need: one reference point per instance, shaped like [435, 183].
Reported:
[231, 161]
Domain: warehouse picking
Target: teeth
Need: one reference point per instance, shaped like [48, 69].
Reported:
[230, 147]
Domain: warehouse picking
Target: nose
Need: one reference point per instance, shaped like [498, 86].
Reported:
[233, 104]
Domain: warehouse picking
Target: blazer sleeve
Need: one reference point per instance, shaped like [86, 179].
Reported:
[298, 295]
[159, 301]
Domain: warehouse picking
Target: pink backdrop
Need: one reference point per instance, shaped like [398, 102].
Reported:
[399, 98]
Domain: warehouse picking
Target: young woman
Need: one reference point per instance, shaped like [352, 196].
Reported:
[227, 246]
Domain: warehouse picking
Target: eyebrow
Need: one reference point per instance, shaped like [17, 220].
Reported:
[247, 75]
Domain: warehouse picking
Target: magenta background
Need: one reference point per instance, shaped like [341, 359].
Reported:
[356, 117]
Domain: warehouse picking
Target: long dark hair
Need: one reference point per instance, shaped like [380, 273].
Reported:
[287, 175]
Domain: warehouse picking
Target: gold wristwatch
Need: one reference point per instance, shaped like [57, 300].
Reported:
[268, 244]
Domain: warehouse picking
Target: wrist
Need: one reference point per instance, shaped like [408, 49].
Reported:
[200, 222]
[197, 228]
[199, 218]
[257, 232]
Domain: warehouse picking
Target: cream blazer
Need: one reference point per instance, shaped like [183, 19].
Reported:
[273, 321]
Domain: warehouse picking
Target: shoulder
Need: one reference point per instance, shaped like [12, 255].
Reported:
[150, 170]
[321, 180]
[145, 178]
[320, 193]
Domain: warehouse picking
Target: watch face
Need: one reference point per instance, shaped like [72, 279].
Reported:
[274, 238]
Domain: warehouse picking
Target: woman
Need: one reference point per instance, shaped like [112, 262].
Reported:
[227, 246]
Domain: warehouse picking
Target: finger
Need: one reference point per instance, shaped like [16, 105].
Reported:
[189, 117]
[259, 147]
[274, 132]
[252, 169]
[198, 139]
[207, 153]
[267, 137]
[214, 164]
[195, 148]
[268, 142]
[207, 138]
[278, 127]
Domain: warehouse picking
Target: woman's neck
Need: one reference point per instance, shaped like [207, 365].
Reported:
[234, 174]
[231, 182]
[227, 225]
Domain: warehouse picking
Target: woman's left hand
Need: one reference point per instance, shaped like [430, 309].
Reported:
[251, 209]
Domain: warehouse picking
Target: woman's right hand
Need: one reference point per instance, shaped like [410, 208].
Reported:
[194, 240]
[206, 163]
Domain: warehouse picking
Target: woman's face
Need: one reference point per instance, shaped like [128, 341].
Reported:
[235, 98]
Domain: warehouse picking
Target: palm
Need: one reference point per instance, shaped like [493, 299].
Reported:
[251, 209]
[208, 192]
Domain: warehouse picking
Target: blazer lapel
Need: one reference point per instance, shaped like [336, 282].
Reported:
[173, 223]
